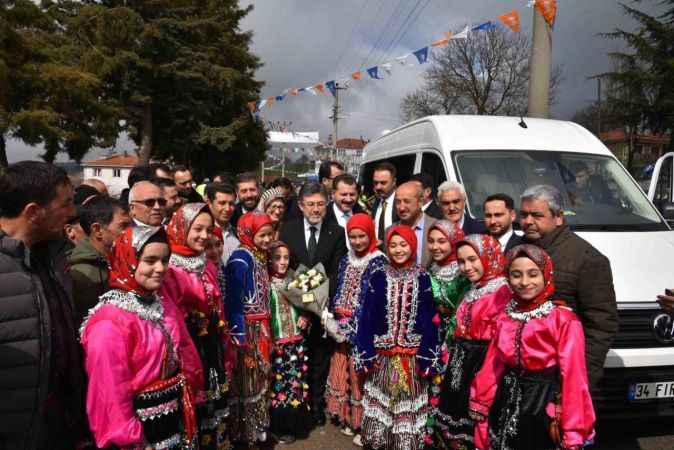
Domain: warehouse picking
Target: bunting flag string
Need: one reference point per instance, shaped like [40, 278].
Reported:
[510, 20]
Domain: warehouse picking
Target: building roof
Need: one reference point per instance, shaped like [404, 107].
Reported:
[124, 160]
[618, 135]
[351, 143]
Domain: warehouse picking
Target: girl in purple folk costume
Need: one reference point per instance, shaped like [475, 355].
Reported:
[398, 347]
[289, 391]
[344, 392]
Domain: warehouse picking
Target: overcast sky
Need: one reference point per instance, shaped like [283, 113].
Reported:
[303, 42]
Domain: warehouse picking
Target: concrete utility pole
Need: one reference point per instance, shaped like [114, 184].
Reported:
[335, 118]
[539, 68]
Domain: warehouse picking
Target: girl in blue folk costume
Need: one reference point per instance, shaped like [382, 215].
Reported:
[289, 391]
[398, 347]
[344, 392]
[247, 306]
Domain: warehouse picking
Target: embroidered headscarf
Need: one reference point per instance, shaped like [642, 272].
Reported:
[272, 248]
[410, 237]
[491, 256]
[268, 197]
[248, 226]
[453, 233]
[179, 227]
[124, 257]
[363, 222]
[544, 262]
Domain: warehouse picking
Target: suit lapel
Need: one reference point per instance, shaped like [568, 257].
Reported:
[303, 254]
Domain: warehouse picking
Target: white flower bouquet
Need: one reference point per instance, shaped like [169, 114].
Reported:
[309, 289]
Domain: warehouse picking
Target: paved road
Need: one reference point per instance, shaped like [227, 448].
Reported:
[633, 435]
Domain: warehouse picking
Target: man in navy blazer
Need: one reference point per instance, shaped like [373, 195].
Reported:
[452, 201]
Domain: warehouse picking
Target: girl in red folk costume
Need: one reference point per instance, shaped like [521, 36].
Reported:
[344, 392]
[142, 366]
[481, 261]
[532, 391]
[289, 392]
[247, 306]
[398, 346]
[192, 285]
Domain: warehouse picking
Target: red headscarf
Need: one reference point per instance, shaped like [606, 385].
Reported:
[217, 232]
[491, 256]
[410, 237]
[272, 248]
[248, 226]
[363, 222]
[453, 233]
[544, 262]
[124, 258]
[179, 227]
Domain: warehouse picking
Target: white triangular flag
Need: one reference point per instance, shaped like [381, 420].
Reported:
[463, 34]
[402, 60]
[311, 90]
[387, 67]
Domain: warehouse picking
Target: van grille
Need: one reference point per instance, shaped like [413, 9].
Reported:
[636, 329]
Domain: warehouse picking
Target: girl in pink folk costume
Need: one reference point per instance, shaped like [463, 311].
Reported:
[192, 284]
[481, 261]
[532, 391]
[142, 366]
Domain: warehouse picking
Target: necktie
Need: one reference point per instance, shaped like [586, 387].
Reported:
[382, 221]
[311, 248]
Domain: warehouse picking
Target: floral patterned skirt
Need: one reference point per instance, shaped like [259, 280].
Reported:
[289, 390]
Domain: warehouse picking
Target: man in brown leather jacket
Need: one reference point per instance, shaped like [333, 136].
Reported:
[582, 274]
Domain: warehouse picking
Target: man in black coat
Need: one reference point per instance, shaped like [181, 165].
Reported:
[452, 200]
[41, 373]
[313, 240]
[184, 182]
[248, 193]
[582, 275]
[428, 205]
[384, 185]
[499, 215]
[344, 202]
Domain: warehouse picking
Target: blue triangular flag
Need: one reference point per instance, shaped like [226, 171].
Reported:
[301, 89]
[280, 98]
[374, 72]
[331, 85]
[484, 26]
[422, 55]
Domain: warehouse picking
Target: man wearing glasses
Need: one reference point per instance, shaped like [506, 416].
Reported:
[313, 240]
[147, 206]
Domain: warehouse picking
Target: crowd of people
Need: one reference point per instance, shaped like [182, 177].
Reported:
[159, 320]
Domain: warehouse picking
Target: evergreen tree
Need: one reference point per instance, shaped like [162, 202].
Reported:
[180, 71]
[640, 92]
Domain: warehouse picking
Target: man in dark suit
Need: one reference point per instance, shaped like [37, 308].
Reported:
[248, 194]
[344, 202]
[313, 240]
[499, 215]
[384, 186]
[452, 200]
[429, 206]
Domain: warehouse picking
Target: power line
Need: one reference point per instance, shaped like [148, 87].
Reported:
[382, 34]
[351, 35]
[403, 31]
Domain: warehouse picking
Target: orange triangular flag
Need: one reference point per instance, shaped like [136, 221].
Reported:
[294, 91]
[511, 20]
[356, 75]
[448, 35]
[440, 42]
[251, 106]
[270, 100]
[548, 8]
[320, 88]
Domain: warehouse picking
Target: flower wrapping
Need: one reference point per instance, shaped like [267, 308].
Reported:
[309, 289]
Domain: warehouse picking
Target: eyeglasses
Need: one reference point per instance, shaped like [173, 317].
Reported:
[150, 202]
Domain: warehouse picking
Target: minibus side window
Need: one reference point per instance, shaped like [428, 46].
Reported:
[404, 165]
[432, 164]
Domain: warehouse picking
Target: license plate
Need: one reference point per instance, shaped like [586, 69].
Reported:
[647, 391]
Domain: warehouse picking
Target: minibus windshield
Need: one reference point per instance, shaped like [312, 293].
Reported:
[598, 193]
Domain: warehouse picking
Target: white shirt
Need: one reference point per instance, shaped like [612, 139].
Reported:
[425, 207]
[341, 216]
[463, 219]
[229, 244]
[503, 240]
[388, 219]
[419, 231]
[307, 231]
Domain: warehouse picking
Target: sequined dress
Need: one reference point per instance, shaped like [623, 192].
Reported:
[344, 392]
[247, 309]
[397, 346]
[534, 371]
[475, 326]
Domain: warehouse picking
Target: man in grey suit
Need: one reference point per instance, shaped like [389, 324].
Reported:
[408, 203]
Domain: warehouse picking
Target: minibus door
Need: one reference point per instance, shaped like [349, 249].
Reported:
[661, 189]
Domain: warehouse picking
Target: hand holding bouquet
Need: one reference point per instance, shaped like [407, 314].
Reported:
[309, 289]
